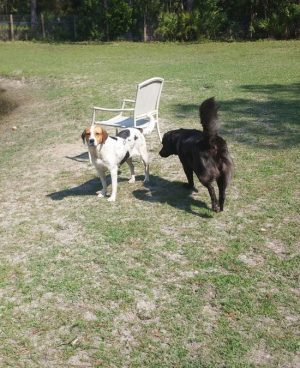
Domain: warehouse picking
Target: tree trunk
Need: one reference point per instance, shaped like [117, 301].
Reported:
[189, 5]
[145, 24]
[33, 14]
[105, 4]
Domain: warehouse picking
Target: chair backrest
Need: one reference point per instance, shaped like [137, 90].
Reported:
[147, 97]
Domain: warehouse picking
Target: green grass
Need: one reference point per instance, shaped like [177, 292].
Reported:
[156, 279]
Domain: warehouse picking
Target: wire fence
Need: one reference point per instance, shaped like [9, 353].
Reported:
[19, 27]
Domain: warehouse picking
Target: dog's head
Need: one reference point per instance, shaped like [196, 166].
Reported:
[94, 135]
[169, 143]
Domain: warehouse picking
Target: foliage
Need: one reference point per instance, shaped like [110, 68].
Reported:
[183, 20]
[118, 17]
[167, 27]
[212, 18]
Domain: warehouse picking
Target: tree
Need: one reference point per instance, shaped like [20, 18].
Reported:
[189, 4]
[144, 17]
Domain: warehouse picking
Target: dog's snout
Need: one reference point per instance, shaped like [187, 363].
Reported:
[91, 141]
[162, 153]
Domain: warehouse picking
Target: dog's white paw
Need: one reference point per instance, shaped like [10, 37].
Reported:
[131, 180]
[100, 194]
[111, 199]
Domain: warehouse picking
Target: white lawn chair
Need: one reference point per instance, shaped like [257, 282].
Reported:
[143, 115]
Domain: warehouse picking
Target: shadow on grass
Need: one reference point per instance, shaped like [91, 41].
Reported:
[83, 157]
[268, 120]
[158, 190]
[88, 188]
[173, 193]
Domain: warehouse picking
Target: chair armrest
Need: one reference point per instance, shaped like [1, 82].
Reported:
[112, 110]
[126, 100]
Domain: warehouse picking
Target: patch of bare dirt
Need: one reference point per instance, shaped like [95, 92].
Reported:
[7, 103]
[80, 359]
[176, 257]
[251, 259]
[126, 330]
[259, 356]
[277, 247]
[11, 96]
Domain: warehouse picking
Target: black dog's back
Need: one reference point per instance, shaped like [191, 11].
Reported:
[204, 153]
[187, 139]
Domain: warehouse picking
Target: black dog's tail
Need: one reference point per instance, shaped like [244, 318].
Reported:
[209, 117]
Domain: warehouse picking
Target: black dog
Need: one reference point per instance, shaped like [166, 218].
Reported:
[204, 153]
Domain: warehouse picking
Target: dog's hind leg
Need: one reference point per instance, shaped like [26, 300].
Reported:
[222, 182]
[145, 159]
[131, 167]
[224, 179]
[213, 197]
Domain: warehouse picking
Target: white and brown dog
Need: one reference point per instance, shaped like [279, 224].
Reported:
[107, 153]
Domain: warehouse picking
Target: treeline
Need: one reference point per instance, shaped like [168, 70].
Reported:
[168, 20]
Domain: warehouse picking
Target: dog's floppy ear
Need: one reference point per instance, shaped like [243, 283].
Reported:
[104, 136]
[83, 136]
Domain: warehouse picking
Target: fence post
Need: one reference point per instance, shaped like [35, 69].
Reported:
[43, 26]
[11, 23]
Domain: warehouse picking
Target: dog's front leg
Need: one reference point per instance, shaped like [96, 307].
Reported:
[188, 170]
[114, 184]
[102, 193]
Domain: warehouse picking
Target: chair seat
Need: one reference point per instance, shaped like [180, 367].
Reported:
[124, 122]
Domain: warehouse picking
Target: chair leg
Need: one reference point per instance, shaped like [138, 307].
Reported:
[94, 117]
[158, 131]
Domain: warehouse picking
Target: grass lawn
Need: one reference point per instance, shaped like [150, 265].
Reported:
[155, 279]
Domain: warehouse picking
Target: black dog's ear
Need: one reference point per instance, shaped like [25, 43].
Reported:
[177, 144]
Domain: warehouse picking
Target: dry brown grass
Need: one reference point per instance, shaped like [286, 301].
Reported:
[155, 279]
